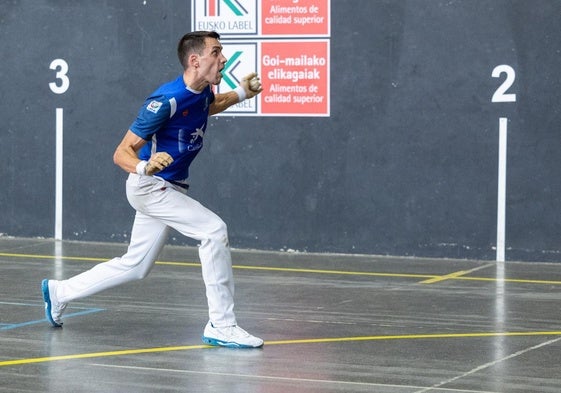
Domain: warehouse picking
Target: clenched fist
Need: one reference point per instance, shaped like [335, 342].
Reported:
[251, 85]
[158, 162]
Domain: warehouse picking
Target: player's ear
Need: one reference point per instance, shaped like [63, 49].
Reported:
[193, 60]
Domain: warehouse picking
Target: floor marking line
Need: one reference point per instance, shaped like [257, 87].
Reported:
[456, 274]
[44, 320]
[11, 326]
[445, 277]
[279, 342]
[487, 365]
[37, 256]
[341, 272]
[99, 355]
[279, 378]
[511, 280]
[318, 271]
[413, 337]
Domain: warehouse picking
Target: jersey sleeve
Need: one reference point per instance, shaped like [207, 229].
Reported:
[151, 117]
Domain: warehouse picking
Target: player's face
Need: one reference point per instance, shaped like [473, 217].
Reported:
[212, 61]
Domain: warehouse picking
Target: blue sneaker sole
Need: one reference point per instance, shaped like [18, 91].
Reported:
[48, 305]
[227, 344]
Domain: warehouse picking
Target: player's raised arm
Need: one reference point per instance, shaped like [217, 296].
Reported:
[249, 87]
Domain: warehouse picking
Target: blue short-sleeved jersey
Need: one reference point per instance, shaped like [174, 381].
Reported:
[174, 119]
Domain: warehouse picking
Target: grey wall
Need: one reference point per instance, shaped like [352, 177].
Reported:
[405, 165]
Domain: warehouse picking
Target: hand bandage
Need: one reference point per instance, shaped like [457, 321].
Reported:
[141, 167]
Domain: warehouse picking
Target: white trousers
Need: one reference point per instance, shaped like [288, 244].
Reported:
[159, 206]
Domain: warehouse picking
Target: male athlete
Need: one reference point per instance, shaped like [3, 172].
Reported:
[157, 151]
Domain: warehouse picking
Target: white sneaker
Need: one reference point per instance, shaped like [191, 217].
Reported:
[230, 336]
[53, 309]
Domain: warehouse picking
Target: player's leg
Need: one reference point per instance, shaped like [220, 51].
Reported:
[170, 205]
[194, 220]
[147, 239]
[148, 236]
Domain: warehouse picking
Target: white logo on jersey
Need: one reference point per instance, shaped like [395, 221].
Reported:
[154, 106]
[198, 133]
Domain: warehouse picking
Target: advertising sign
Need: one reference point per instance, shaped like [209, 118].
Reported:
[295, 18]
[285, 41]
[295, 77]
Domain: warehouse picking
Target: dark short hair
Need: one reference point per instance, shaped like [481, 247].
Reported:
[193, 42]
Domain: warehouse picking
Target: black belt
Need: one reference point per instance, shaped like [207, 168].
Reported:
[185, 186]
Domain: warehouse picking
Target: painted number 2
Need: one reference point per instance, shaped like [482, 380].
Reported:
[61, 68]
[501, 93]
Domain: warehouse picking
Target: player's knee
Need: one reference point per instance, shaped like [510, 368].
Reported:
[219, 232]
[141, 274]
[223, 229]
[217, 228]
[138, 271]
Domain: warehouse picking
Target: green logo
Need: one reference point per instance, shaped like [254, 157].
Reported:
[235, 10]
[228, 71]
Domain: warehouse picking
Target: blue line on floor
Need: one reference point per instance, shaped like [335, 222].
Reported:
[6, 326]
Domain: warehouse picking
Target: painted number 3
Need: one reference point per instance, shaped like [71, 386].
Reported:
[501, 93]
[61, 68]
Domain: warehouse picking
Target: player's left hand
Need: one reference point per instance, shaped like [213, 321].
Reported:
[251, 85]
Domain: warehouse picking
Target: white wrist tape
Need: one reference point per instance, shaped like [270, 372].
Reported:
[241, 93]
[141, 168]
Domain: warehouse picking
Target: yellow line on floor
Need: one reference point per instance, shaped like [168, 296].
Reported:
[264, 268]
[414, 337]
[140, 351]
[456, 275]
[36, 256]
[341, 272]
[446, 277]
[511, 280]
[99, 355]
[430, 278]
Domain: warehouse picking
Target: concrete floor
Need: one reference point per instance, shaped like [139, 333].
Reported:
[331, 323]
